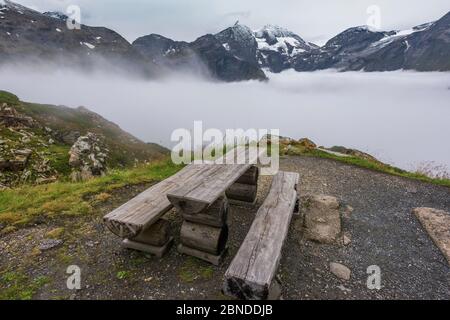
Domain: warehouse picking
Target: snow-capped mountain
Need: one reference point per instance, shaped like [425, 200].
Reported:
[271, 47]
[423, 48]
[240, 41]
[277, 47]
[206, 56]
[236, 53]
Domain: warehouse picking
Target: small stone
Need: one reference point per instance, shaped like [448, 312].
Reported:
[346, 240]
[48, 244]
[342, 288]
[90, 244]
[340, 271]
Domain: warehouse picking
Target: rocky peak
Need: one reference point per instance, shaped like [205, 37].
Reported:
[240, 41]
[277, 47]
[158, 48]
[361, 37]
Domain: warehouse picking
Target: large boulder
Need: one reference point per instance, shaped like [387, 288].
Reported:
[322, 220]
[88, 157]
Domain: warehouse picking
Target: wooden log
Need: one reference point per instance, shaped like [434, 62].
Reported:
[156, 235]
[242, 192]
[214, 216]
[250, 177]
[155, 250]
[204, 238]
[205, 256]
[252, 270]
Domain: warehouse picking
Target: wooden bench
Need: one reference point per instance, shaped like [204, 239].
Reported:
[252, 271]
[136, 220]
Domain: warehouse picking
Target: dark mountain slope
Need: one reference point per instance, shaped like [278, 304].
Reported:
[26, 34]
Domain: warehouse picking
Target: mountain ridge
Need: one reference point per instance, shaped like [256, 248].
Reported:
[234, 54]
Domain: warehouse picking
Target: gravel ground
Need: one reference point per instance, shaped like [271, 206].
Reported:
[382, 229]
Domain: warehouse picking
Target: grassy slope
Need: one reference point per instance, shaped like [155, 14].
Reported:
[21, 206]
[364, 163]
[124, 148]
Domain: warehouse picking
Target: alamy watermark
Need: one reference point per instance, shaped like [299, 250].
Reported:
[212, 146]
[374, 278]
[374, 17]
[74, 280]
[73, 21]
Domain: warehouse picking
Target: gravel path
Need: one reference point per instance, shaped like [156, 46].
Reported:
[383, 233]
[382, 229]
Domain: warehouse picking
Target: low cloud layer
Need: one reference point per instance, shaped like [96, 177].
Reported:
[400, 117]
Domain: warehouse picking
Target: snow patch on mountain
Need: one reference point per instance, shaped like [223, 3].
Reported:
[56, 15]
[399, 34]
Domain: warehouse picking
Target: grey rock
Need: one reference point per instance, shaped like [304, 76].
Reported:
[340, 271]
[322, 220]
[346, 239]
[87, 157]
[48, 244]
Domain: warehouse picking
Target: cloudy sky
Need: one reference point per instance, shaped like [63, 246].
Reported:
[315, 20]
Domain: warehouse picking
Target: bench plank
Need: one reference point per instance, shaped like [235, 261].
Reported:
[207, 187]
[252, 270]
[132, 217]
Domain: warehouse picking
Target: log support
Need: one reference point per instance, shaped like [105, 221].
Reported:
[245, 188]
[204, 234]
[155, 239]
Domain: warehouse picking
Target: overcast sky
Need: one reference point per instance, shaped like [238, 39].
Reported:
[314, 20]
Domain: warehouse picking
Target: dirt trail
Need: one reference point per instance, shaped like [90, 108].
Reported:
[382, 229]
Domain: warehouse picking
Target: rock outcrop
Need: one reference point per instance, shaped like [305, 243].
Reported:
[322, 221]
[10, 118]
[88, 157]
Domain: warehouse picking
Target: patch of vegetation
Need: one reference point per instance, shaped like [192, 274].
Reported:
[368, 164]
[60, 158]
[18, 286]
[21, 206]
[55, 233]
[194, 269]
[121, 275]
[9, 98]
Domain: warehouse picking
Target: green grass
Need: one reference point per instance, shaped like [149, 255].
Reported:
[194, 269]
[372, 165]
[60, 158]
[9, 98]
[15, 285]
[121, 275]
[21, 206]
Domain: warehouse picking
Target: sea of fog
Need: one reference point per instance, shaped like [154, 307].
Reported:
[402, 118]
